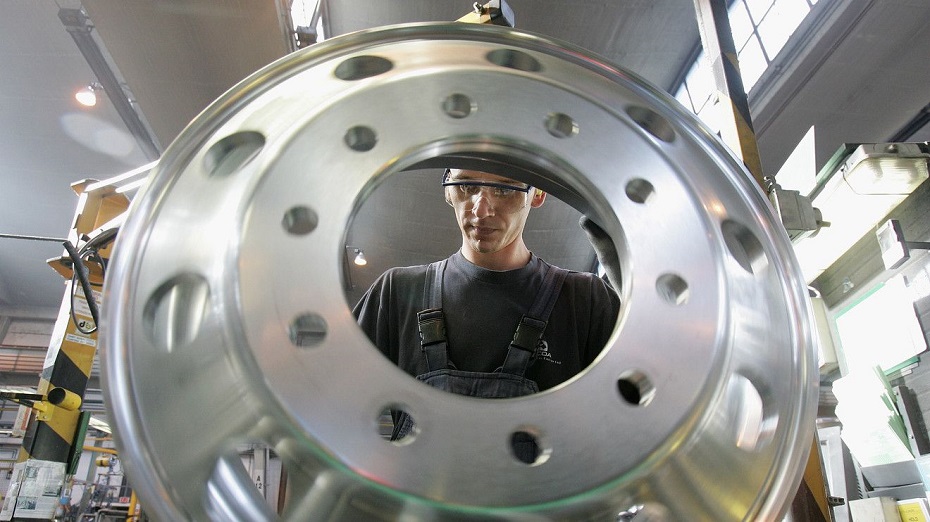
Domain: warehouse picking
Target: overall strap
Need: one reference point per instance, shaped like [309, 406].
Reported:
[430, 321]
[432, 290]
[533, 324]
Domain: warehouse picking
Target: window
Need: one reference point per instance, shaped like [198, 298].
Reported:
[882, 328]
[761, 29]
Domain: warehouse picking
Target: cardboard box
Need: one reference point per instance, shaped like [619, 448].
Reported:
[923, 466]
[894, 474]
[914, 510]
[906, 492]
[876, 509]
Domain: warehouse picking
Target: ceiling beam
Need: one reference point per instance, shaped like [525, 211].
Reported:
[80, 28]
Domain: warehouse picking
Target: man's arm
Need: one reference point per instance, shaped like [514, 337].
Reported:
[373, 312]
[605, 310]
[387, 313]
[604, 248]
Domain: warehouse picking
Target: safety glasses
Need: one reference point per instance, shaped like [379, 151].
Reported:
[503, 197]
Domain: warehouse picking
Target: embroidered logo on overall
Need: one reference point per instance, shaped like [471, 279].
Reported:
[542, 352]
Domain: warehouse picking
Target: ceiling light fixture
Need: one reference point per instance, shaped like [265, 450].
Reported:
[360, 258]
[82, 32]
[87, 96]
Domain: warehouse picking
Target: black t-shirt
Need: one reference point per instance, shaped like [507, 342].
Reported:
[482, 309]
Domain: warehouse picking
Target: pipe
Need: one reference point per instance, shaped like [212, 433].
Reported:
[111, 451]
[132, 508]
[108, 512]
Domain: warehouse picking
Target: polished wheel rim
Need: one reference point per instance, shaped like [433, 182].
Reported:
[226, 321]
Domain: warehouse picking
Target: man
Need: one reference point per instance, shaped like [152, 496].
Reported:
[493, 320]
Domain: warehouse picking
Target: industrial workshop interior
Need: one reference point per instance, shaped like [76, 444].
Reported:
[228, 228]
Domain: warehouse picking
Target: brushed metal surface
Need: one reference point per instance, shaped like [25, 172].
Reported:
[226, 321]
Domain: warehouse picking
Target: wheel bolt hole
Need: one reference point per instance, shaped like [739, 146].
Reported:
[175, 312]
[458, 106]
[561, 125]
[361, 138]
[397, 425]
[307, 330]
[232, 153]
[744, 246]
[673, 289]
[639, 190]
[635, 388]
[652, 122]
[526, 448]
[300, 221]
[514, 60]
[361, 67]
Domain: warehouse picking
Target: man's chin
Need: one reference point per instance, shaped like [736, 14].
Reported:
[484, 247]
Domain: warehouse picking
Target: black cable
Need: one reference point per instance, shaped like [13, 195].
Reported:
[80, 273]
[94, 255]
[90, 250]
[85, 254]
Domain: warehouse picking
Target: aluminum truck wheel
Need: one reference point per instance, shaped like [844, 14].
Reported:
[226, 321]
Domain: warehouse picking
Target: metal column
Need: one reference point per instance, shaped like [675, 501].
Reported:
[736, 125]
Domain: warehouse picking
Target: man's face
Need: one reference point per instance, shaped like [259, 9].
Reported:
[490, 217]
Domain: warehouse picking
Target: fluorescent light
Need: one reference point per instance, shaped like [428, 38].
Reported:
[870, 181]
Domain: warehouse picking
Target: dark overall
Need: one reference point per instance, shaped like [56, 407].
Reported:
[509, 380]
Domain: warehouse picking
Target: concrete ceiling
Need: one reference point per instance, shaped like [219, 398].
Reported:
[48, 142]
[864, 78]
[173, 58]
[649, 37]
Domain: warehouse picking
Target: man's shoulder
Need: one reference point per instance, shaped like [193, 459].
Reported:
[397, 286]
[586, 285]
[586, 280]
[574, 277]
[400, 275]
[406, 271]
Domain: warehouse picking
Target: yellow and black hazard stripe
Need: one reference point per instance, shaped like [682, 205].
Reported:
[52, 436]
[52, 431]
[739, 104]
[717, 38]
